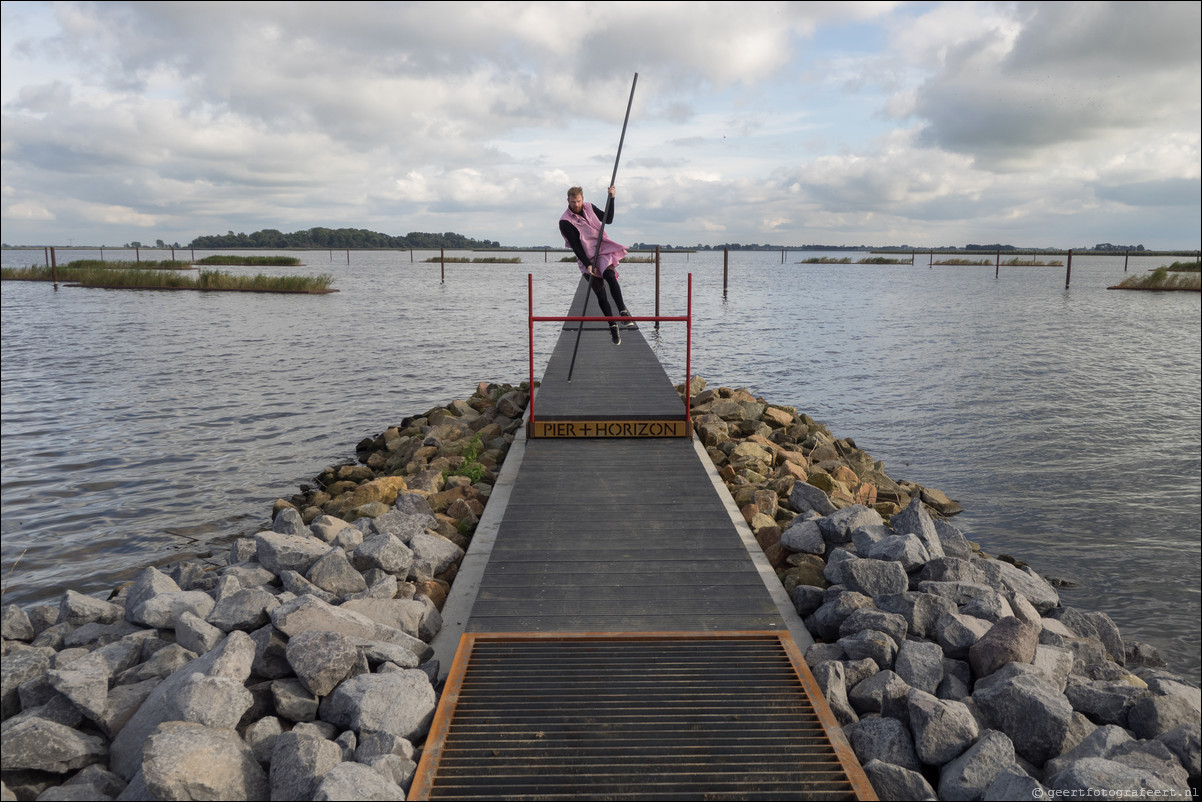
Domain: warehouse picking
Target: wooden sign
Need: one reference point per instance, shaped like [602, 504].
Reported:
[608, 428]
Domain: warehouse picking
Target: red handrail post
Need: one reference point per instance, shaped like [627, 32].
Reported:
[688, 362]
[530, 291]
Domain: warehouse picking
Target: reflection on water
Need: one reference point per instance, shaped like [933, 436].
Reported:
[1065, 422]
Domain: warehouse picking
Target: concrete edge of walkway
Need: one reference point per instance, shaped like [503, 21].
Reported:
[462, 598]
[793, 623]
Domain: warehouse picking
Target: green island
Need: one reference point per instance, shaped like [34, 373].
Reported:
[253, 261]
[1177, 277]
[152, 279]
[459, 260]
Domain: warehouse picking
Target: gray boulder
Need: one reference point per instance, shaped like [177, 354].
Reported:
[289, 522]
[1095, 776]
[306, 613]
[803, 535]
[884, 694]
[244, 610]
[195, 634]
[1014, 783]
[832, 680]
[838, 526]
[920, 665]
[298, 762]
[334, 574]
[884, 739]
[278, 552]
[893, 783]
[872, 645]
[432, 555]
[957, 633]
[906, 550]
[1170, 705]
[322, 659]
[968, 776]
[874, 577]
[1030, 711]
[163, 610]
[942, 730]
[37, 744]
[385, 552]
[1007, 641]
[184, 761]
[398, 702]
[77, 609]
[15, 624]
[805, 497]
[1026, 583]
[356, 781]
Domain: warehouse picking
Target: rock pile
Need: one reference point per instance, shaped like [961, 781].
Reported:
[296, 666]
[956, 676]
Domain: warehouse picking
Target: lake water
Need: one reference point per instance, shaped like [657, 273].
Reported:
[138, 426]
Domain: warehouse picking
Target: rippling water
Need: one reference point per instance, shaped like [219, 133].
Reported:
[141, 425]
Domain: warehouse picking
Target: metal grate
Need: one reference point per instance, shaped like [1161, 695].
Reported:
[647, 716]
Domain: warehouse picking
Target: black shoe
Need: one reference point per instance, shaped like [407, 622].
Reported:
[630, 324]
[614, 335]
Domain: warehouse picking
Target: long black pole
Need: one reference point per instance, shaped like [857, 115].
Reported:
[601, 233]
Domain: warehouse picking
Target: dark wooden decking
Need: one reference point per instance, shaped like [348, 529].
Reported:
[620, 638]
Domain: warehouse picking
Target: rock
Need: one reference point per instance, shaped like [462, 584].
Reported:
[832, 680]
[15, 624]
[1170, 705]
[195, 634]
[906, 550]
[289, 522]
[1031, 712]
[232, 659]
[307, 613]
[321, 659]
[1014, 783]
[334, 573]
[873, 577]
[213, 702]
[1183, 741]
[1103, 702]
[122, 702]
[385, 552]
[356, 781]
[163, 610]
[281, 552]
[942, 730]
[77, 609]
[883, 693]
[37, 744]
[891, 624]
[920, 665]
[380, 491]
[957, 633]
[830, 616]
[870, 644]
[952, 540]
[922, 611]
[838, 526]
[893, 783]
[967, 777]
[803, 535]
[190, 761]
[885, 739]
[1095, 776]
[1037, 591]
[298, 762]
[292, 700]
[1007, 641]
[400, 702]
[433, 554]
[244, 610]
[806, 497]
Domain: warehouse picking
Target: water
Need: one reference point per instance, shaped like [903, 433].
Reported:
[139, 426]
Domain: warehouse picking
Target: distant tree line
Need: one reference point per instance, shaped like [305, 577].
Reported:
[341, 238]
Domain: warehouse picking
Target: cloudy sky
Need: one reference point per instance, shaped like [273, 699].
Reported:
[1035, 124]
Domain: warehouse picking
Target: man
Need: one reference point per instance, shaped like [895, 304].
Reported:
[580, 226]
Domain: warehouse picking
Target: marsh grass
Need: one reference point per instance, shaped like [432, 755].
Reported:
[964, 262]
[826, 260]
[1185, 267]
[1018, 262]
[171, 279]
[252, 261]
[882, 260]
[166, 264]
[1164, 278]
[461, 260]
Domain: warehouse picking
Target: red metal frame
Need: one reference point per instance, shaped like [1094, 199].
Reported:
[686, 319]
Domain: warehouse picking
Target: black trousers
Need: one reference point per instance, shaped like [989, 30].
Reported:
[598, 284]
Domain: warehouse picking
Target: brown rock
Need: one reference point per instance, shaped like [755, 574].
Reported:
[436, 589]
[383, 491]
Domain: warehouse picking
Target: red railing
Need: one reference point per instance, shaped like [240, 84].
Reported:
[687, 319]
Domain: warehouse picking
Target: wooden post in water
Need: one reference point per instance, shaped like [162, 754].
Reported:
[725, 268]
[997, 265]
[442, 260]
[1068, 272]
[1126, 258]
[173, 253]
[931, 262]
[54, 268]
[137, 255]
[193, 254]
[657, 286]
[348, 256]
[782, 256]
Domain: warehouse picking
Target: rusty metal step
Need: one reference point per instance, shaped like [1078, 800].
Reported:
[635, 716]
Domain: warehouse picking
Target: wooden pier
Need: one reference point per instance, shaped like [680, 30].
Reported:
[615, 631]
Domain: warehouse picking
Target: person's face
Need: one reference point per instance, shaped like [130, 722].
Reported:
[576, 203]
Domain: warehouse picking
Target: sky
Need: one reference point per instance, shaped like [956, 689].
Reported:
[1046, 124]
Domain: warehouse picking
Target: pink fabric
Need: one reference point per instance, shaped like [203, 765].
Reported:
[589, 226]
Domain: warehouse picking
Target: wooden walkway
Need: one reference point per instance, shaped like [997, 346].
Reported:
[620, 610]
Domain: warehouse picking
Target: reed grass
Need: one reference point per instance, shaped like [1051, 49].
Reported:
[252, 261]
[461, 260]
[166, 264]
[883, 260]
[826, 260]
[171, 280]
[1017, 262]
[961, 262]
[1163, 278]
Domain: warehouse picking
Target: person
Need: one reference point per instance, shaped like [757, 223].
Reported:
[580, 225]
